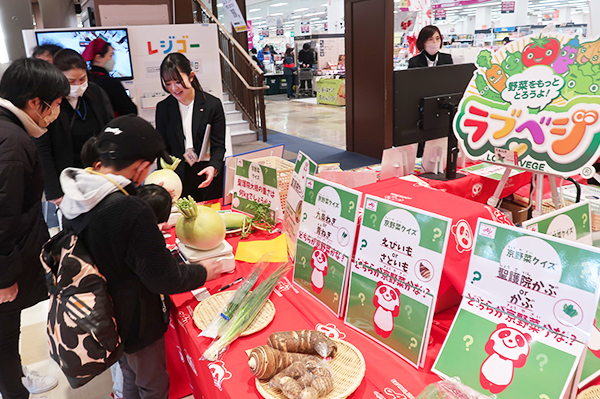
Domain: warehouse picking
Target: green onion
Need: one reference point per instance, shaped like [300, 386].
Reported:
[212, 330]
[187, 207]
[246, 313]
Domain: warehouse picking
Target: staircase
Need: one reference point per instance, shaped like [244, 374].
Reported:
[238, 126]
[243, 83]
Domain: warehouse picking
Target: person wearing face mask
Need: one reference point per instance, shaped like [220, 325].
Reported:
[31, 91]
[123, 238]
[101, 57]
[84, 112]
[183, 119]
[429, 44]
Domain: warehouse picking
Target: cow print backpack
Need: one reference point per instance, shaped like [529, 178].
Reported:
[82, 331]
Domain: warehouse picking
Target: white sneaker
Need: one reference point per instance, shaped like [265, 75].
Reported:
[36, 383]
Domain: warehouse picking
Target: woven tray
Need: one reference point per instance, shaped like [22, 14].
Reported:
[206, 311]
[284, 174]
[348, 368]
[590, 393]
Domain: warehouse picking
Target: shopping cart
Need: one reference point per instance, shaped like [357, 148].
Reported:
[305, 77]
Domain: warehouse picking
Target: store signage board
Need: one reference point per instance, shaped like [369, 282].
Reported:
[527, 313]
[439, 14]
[293, 204]
[331, 91]
[326, 241]
[395, 275]
[538, 97]
[235, 15]
[571, 223]
[255, 182]
[508, 7]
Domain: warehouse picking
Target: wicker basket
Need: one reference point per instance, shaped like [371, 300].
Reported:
[206, 311]
[284, 174]
[590, 393]
[348, 368]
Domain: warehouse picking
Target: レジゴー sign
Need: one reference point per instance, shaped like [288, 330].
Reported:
[538, 97]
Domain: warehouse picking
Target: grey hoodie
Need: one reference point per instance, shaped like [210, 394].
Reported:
[84, 190]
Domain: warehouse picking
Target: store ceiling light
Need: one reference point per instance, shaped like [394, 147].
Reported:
[219, 5]
[255, 9]
[296, 17]
[300, 9]
[279, 4]
[255, 18]
[276, 14]
[315, 19]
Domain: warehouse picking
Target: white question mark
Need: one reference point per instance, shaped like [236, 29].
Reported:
[469, 341]
[413, 343]
[409, 310]
[362, 298]
[543, 359]
[544, 396]
[303, 259]
[351, 206]
[437, 233]
[373, 218]
[336, 296]
[584, 217]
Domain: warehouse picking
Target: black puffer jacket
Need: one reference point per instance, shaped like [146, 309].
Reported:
[22, 227]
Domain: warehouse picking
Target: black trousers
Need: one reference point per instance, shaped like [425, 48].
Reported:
[11, 372]
[145, 373]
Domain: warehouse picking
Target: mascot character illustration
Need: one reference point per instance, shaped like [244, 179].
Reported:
[387, 303]
[508, 349]
[319, 264]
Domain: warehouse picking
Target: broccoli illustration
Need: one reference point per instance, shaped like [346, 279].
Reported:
[570, 310]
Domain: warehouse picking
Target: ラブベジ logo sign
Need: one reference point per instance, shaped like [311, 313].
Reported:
[539, 97]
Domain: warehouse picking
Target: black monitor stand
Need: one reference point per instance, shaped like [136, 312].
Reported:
[440, 111]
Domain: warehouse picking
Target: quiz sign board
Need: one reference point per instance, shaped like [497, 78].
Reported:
[571, 223]
[295, 196]
[326, 240]
[255, 183]
[537, 97]
[396, 275]
[526, 316]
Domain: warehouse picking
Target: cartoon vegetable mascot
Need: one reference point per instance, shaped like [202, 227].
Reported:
[541, 51]
[387, 303]
[512, 64]
[485, 90]
[566, 56]
[508, 349]
[494, 73]
[589, 52]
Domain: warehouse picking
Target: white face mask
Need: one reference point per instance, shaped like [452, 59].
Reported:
[110, 64]
[47, 120]
[78, 90]
[432, 48]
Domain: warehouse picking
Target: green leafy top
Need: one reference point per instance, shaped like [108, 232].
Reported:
[484, 59]
[540, 42]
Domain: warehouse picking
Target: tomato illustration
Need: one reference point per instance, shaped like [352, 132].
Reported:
[541, 51]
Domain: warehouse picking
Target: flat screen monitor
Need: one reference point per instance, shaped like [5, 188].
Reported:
[79, 39]
[412, 87]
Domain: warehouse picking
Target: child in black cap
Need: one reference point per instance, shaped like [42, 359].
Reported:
[129, 249]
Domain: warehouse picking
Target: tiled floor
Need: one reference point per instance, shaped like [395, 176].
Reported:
[305, 118]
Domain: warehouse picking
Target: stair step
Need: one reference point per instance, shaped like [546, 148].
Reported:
[225, 96]
[233, 116]
[238, 126]
[245, 136]
[229, 106]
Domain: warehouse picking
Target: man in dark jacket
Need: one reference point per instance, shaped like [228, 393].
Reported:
[306, 56]
[30, 95]
[129, 249]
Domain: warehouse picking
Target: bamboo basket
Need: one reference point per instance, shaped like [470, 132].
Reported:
[590, 393]
[284, 174]
[206, 311]
[348, 369]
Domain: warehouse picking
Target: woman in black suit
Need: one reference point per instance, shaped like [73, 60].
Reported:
[429, 44]
[183, 119]
[83, 114]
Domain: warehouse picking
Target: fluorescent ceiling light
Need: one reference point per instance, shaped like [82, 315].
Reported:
[255, 18]
[219, 5]
[301, 9]
[315, 19]
[325, 5]
[279, 4]
[296, 17]
[254, 10]
[277, 13]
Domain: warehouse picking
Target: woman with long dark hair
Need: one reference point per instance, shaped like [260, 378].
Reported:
[31, 91]
[84, 112]
[184, 118]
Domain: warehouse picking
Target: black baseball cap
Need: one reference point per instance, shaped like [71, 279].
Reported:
[131, 138]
